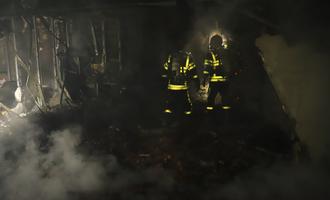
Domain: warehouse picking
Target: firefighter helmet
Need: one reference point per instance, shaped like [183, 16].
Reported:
[216, 42]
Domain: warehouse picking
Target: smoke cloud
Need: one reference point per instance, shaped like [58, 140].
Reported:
[29, 172]
[300, 75]
[61, 169]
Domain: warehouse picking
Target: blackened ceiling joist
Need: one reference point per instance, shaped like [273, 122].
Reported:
[273, 13]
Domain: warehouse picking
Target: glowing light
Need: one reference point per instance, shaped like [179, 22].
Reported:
[226, 107]
[177, 87]
[167, 111]
[188, 112]
[225, 39]
[216, 78]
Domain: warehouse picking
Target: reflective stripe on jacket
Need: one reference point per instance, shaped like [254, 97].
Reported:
[214, 68]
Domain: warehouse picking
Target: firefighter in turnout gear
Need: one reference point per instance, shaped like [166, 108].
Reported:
[216, 73]
[179, 70]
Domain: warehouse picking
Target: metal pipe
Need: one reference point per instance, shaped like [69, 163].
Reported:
[9, 74]
[104, 46]
[15, 51]
[54, 54]
[94, 39]
[68, 34]
[36, 49]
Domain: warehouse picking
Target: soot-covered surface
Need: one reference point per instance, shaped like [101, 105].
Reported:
[168, 158]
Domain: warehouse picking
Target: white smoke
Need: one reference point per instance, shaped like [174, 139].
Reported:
[28, 172]
[62, 170]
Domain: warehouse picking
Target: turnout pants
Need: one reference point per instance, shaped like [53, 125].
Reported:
[215, 88]
[178, 101]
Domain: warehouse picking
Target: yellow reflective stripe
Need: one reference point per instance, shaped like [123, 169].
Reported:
[168, 62]
[195, 76]
[209, 108]
[187, 62]
[206, 72]
[167, 111]
[188, 112]
[215, 62]
[218, 78]
[213, 57]
[166, 66]
[169, 59]
[189, 98]
[226, 107]
[208, 62]
[221, 77]
[177, 87]
[183, 70]
[164, 76]
[191, 66]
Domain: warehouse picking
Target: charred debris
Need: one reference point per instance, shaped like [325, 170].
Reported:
[99, 69]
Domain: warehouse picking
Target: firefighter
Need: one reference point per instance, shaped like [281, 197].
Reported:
[216, 73]
[179, 70]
